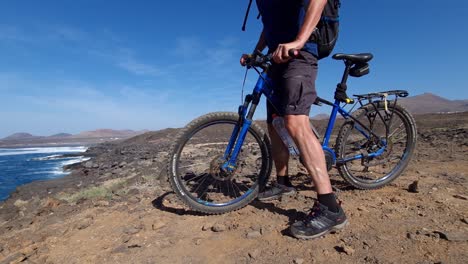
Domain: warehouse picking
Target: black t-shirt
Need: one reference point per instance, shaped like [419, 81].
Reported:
[282, 20]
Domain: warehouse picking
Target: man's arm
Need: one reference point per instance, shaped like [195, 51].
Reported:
[261, 45]
[312, 17]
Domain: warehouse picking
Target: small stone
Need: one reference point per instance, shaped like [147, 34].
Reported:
[131, 230]
[126, 238]
[254, 254]
[88, 164]
[120, 249]
[453, 236]
[101, 203]
[133, 192]
[410, 236]
[413, 187]
[395, 200]
[218, 228]
[345, 249]
[298, 261]
[135, 246]
[459, 196]
[84, 224]
[133, 200]
[206, 227]
[348, 250]
[465, 220]
[361, 208]
[198, 241]
[253, 234]
[157, 225]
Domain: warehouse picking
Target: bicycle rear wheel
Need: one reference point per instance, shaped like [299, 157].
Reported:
[194, 171]
[396, 136]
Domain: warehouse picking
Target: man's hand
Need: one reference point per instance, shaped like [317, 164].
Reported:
[281, 53]
[244, 58]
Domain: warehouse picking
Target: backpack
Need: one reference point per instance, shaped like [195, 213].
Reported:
[326, 32]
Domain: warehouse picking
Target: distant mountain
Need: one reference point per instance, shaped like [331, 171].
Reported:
[320, 117]
[20, 136]
[108, 133]
[61, 135]
[431, 103]
[64, 139]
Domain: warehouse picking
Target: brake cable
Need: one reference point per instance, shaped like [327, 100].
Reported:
[243, 85]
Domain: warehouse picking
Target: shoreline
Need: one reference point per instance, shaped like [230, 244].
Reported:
[64, 168]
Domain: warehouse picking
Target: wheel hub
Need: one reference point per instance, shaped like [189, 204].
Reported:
[217, 171]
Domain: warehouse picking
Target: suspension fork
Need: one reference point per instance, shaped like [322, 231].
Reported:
[245, 121]
[240, 131]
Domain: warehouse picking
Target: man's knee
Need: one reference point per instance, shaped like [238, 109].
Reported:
[294, 123]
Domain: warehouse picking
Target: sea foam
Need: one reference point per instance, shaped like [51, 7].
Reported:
[22, 151]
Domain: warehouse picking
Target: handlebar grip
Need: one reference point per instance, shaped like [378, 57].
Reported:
[293, 53]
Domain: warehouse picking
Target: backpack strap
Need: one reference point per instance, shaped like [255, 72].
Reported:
[246, 15]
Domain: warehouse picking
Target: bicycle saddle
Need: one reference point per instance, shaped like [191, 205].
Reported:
[355, 58]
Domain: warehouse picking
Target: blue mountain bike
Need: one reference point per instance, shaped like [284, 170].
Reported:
[221, 160]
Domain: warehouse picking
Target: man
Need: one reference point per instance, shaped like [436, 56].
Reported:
[288, 24]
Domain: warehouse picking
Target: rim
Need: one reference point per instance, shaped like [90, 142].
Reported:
[200, 153]
[396, 152]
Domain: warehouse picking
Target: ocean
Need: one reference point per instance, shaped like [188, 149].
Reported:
[19, 166]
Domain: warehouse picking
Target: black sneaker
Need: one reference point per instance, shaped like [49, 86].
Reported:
[319, 222]
[275, 191]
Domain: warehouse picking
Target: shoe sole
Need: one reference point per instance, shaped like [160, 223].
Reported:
[331, 230]
[276, 196]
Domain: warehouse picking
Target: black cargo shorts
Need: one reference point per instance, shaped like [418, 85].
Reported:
[293, 86]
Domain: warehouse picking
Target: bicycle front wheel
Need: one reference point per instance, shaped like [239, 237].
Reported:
[384, 153]
[194, 171]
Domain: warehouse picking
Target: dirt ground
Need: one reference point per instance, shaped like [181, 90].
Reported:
[140, 221]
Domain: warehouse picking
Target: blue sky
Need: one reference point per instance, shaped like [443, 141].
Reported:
[70, 66]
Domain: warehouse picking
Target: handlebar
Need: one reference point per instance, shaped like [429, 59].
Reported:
[258, 59]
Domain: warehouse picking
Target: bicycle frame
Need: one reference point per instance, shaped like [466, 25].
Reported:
[247, 110]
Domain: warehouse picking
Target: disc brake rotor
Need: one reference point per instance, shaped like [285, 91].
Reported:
[217, 172]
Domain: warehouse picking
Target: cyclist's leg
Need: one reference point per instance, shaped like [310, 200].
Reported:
[280, 156]
[279, 153]
[311, 151]
[298, 82]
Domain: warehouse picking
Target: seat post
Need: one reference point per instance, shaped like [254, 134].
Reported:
[340, 93]
[344, 79]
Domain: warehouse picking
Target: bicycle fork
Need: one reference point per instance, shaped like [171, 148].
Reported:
[243, 124]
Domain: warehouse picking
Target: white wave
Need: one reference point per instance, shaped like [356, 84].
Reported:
[73, 161]
[51, 157]
[22, 151]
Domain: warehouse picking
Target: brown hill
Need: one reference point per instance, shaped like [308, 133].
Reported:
[431, 103]
[100, 133]
[19, 136]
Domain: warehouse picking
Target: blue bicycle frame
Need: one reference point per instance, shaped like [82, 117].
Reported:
[247, 110]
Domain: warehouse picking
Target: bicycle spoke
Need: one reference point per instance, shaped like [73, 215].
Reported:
[234, 184]
[204, 179]
[399, 130]
[192, 165]
[208, 187]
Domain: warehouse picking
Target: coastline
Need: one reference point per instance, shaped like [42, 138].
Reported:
[26, 165]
